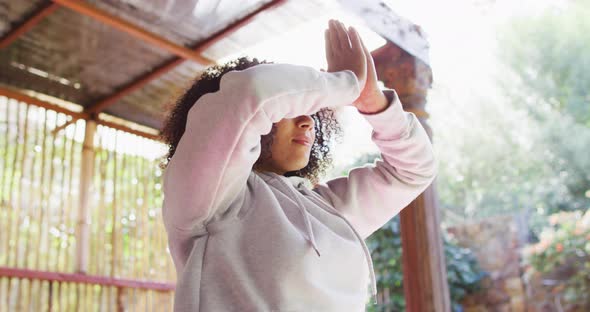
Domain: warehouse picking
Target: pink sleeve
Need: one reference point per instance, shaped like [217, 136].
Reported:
[373, 194]
[221, 142]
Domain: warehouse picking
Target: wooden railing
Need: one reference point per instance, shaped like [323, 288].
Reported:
[46, 291]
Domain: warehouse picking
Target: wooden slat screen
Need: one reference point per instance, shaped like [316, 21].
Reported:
[39, 201]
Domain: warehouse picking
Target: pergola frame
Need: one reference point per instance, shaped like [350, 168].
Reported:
[182, 53]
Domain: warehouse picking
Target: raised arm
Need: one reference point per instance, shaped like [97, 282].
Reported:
[221, 142]
[373, 194]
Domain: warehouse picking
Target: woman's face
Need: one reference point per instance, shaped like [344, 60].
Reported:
[291, 145]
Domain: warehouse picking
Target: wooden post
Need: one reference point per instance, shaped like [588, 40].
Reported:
[86, 172]
[425, 274]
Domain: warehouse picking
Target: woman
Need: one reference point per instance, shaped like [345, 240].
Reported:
[249, 226]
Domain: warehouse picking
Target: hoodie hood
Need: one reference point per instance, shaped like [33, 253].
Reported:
[299, 182]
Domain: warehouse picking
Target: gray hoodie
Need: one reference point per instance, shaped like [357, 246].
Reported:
[243, 240]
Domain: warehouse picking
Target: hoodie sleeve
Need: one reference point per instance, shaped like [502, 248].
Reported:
[373, 194]
[221, 141]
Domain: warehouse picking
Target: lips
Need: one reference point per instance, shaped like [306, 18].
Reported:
[302, 140]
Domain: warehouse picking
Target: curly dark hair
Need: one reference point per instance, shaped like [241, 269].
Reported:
[326, 125]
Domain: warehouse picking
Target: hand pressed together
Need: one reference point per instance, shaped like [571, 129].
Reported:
[345, 50]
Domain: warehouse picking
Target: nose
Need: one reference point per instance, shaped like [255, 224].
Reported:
[305, 121]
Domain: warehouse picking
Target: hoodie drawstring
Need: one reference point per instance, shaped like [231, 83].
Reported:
[310, 237]
[367, 254]
[366, 251]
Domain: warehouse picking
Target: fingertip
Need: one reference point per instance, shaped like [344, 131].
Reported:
[355, 37]
[355, 32]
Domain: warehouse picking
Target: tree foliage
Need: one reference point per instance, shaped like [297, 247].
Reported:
[524, 148]
[549, 55]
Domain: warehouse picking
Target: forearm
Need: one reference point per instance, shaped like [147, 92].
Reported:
[402, 140]
[288, 91]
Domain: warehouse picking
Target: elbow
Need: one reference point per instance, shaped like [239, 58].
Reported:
[433, 174]
[425, 173]
[430, 171]
[433, 167]
[419, 164]
[428, 166]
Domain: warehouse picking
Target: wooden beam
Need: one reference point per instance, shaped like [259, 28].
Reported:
[133, 30]
[84, 279]
[137, 132]
[134, 85]
[423, 261]
[171, 64]
[75, 115]
[19, 96]
[390, 25]
[28, 23]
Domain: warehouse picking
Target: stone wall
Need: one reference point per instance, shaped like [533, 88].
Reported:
[542, 298]
[496, 243]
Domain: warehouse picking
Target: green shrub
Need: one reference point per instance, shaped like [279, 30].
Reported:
[464, 274]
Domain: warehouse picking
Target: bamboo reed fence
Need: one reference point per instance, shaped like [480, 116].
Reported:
[80, 216]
